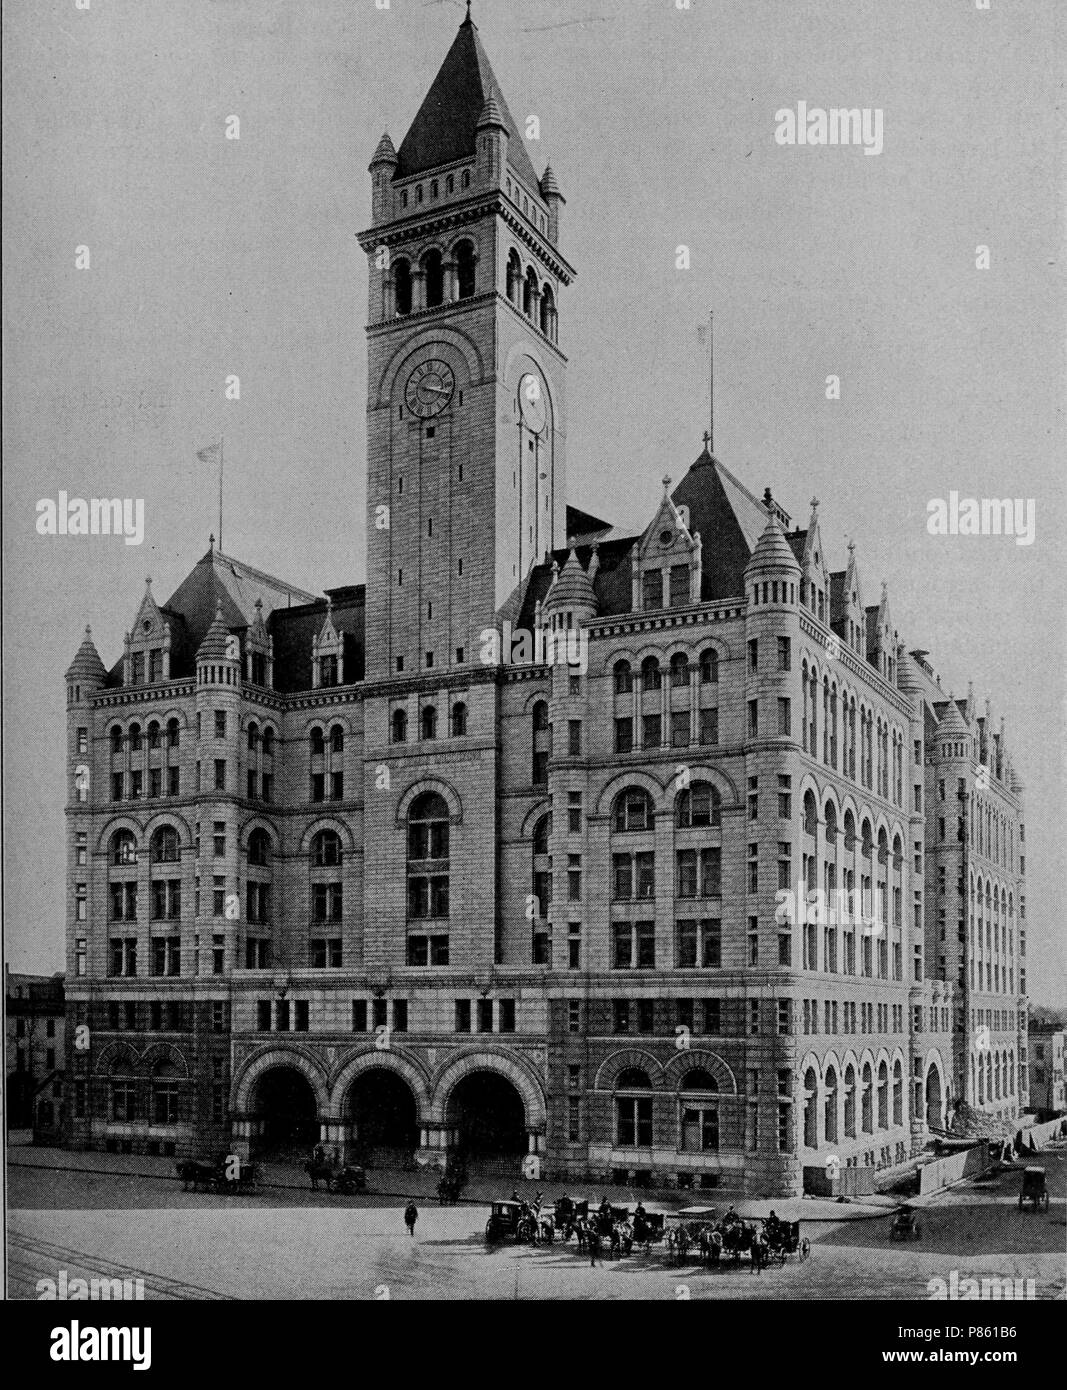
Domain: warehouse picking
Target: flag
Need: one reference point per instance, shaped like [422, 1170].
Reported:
[210, 454]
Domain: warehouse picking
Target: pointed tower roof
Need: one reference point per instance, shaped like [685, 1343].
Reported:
[87, 665]
[445, 129]
[549, 183]
[952, 721]
[492, 117]
[572, 588]
[772, 550]
[216, 643]
[385, 153]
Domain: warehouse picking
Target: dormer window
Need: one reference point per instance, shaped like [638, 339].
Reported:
[328, 671]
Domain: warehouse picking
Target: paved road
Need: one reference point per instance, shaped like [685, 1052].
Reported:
[189, 1245]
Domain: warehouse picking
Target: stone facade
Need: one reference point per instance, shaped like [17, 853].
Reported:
[384, 869]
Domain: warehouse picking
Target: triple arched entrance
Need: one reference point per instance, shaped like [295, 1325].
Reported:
[388, 1108]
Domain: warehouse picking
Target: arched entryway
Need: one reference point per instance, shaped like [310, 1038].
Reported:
[486, 1114]
[284, 1104]
[935, 1117]
[382, 1106]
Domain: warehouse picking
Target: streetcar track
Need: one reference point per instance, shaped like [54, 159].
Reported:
[161, 1284]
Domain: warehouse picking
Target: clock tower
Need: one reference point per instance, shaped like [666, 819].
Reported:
[465, 411]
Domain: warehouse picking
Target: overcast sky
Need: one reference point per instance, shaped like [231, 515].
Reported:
[211, 257]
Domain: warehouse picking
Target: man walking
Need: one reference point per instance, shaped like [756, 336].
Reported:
[411, 1215]
[594, 1245]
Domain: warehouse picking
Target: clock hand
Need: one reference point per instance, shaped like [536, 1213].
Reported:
[437, 390]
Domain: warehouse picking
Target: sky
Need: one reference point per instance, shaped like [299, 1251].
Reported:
[211, 257]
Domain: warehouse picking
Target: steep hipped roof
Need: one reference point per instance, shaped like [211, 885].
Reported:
[445, 129]
[730, 521]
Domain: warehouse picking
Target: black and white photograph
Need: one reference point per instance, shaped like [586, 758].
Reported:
[534, 666]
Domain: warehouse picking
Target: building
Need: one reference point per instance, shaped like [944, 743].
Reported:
[1048, 1086]
[504, 851]
[34, 1027]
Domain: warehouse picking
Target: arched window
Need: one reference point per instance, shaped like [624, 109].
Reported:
[811, 815]
[867, 1100]
[514, 277]
[428, 722]
[830, 816]
[123, 849]
[318, 743]
[399, 726]
[811, 1109]
[153, 735]
[326, 849]
[548, 313]
[530, 293]
[624, 678]
[542, 831]
[259, 848]
[633, 1111]
[679, 670]
[540, 716]
[135, 738]
[830, 1106]
[174, 733]
[164, 849]
[459, 720]
[651, 677]
[268, 743]
[633, 811]
[402, 286]
[337, 739]
[433, 268]
[428, 827]
[898, 1094]
[850, 830]
[850, 1102]
[709, 667]
[699, 805]
[253, 737]
[698, 1103]
[466, 178]
[465, 269]
[883, 1096]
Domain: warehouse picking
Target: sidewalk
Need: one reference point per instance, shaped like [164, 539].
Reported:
[422, 1185]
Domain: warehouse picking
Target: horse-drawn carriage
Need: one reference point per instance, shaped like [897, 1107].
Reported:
[225, 1175]
[905, 1224]
[338, 1177]
[449, 1186]
[1034, 1190]
[783, 1239]
[518, 1221]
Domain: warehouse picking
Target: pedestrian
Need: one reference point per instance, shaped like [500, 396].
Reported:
[594, 1246]
[411, 1215]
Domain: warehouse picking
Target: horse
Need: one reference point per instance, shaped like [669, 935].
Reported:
[196, 1174]
[318, 1172]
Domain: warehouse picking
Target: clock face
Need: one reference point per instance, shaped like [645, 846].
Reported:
[430, 388]
[532, 403]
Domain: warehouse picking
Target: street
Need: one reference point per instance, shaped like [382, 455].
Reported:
[314, 1246]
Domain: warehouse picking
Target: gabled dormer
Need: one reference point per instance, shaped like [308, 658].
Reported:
[814, 575]
[667, 560]
[259, 651]
[327, 654]
[882, 639]
[849, 618]
[146, 658]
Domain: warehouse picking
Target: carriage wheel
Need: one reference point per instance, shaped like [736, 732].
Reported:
[805, 1249]
[490, 1232]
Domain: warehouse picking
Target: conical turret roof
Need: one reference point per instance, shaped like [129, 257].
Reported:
[385, 153]
[87, 666]
[952, 721]
[216, 643]
[772, 550]
[549, 183]
[572, 588]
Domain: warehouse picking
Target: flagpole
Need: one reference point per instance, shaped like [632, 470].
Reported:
[222, 442]
[711, 380]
